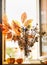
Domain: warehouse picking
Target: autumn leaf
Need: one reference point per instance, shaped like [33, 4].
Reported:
[14, 38]
[28, 22]
[15, 24]
[9, 35]
[16, 28]
[4, 19]
[30, 36]
[3, 28]
[23, 17]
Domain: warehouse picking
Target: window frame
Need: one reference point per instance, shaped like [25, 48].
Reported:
[3, 46]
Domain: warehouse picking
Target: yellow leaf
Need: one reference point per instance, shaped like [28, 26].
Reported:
[28, 22]
[16, 23]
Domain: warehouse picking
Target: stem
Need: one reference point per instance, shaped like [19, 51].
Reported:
[26, 47]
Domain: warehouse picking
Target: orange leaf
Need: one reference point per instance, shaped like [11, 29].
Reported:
[23, 17]
[16, 28]
[17, 31]
[30, 36]
[5, 19]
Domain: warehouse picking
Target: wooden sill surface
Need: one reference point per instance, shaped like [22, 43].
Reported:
[32, 62]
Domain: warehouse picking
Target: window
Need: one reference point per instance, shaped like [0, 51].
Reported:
[21, 35]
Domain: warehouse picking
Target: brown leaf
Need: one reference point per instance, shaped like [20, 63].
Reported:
[30, 36]
[28, 50]
[14, 38]
[9, 35]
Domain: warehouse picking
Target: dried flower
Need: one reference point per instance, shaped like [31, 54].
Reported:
[26, 35]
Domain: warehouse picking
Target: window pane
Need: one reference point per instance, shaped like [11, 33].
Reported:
[22, 30]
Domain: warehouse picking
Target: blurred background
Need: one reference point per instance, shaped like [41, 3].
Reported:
[44, 26]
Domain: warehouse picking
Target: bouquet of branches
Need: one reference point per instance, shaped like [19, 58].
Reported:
[26, 35]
